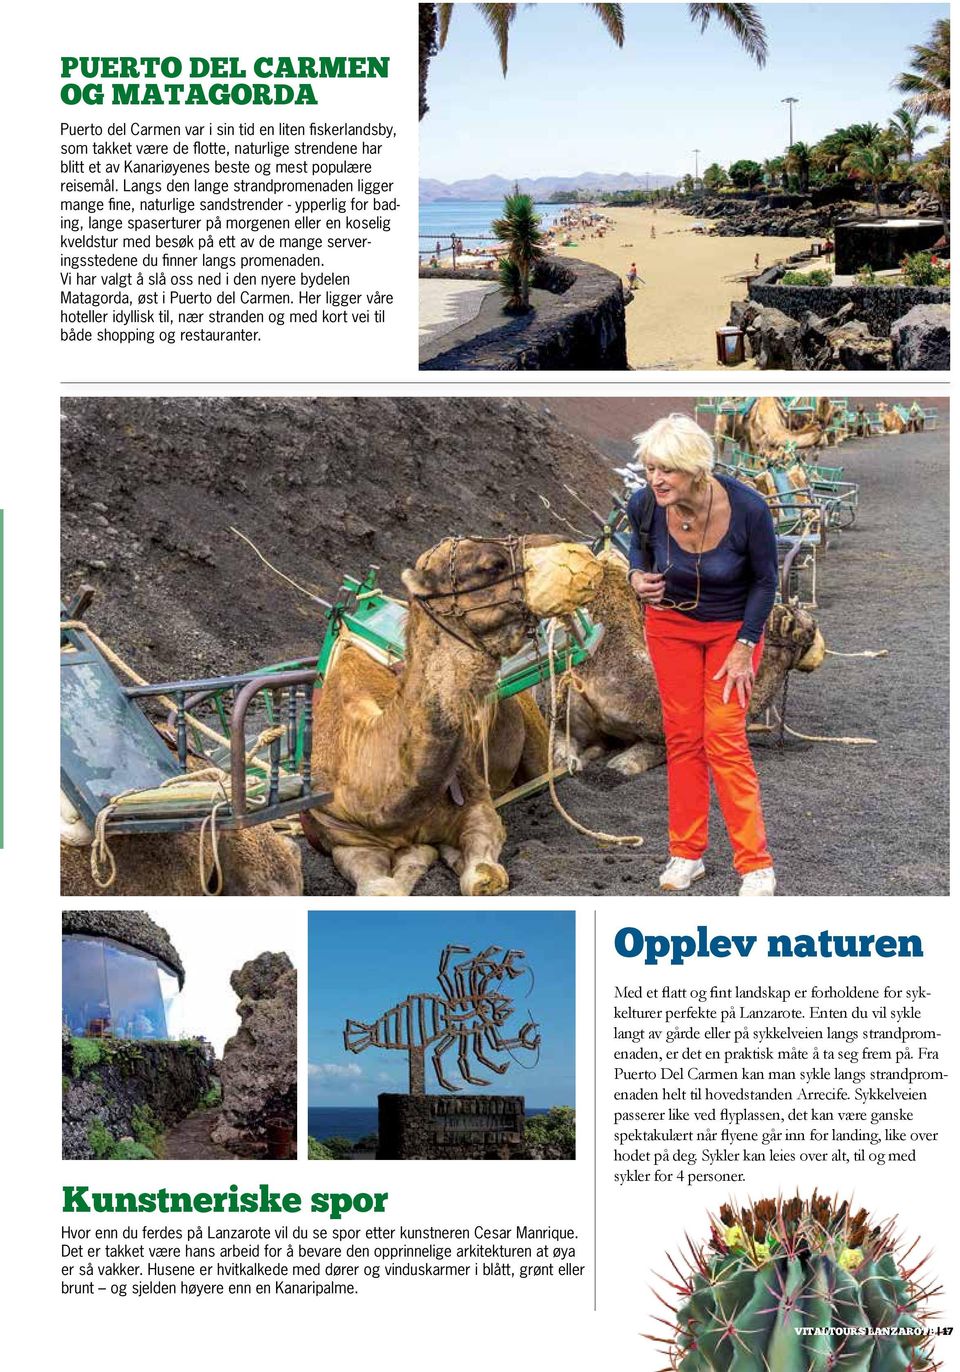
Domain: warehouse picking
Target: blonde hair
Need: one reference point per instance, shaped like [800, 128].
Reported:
[678, 444]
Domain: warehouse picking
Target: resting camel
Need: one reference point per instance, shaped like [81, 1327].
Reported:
[890, 417]
[767, 426]
[614, 706]
[255, 862]
[403, 752]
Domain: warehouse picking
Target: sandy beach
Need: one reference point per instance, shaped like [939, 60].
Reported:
[673, 318]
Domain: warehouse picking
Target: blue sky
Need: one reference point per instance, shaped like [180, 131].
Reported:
[362, 963]
[573, 102]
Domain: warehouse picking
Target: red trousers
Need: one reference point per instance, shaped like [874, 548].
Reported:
[705, 738]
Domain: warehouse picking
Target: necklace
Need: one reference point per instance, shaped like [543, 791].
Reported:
[686, 605]
[687, 524]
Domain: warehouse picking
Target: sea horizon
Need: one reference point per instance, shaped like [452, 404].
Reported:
[354, 1122]
[469, 218]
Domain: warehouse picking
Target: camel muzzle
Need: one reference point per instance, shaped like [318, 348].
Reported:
[559, 578]
[813, 657]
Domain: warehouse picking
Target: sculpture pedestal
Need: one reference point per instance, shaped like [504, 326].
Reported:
[450, 1126]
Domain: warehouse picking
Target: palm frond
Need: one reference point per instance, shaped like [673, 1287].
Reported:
[927, 86]
[498, 19]
[444, 15]
[511, 283]
[611, 17]
[744, 23]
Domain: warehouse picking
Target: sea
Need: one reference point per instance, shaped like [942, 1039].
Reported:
[353, 1122]
[439, 219]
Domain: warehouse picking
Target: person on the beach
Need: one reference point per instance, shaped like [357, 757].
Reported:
[756, 261]
[653, 230]
[632, 275]
[703, 563]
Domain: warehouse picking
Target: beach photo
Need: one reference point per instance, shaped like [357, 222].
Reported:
[377, 647]
[443, 1034]
[684, 187]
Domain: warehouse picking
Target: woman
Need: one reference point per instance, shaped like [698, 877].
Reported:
[703, 562]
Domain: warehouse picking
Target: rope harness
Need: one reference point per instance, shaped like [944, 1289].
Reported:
[465, 633]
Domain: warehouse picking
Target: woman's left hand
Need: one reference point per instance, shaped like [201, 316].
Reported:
[738, 670]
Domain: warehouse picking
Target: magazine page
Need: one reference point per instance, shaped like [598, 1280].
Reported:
[428, 637]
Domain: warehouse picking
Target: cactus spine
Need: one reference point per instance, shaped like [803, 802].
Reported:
[798, 1286]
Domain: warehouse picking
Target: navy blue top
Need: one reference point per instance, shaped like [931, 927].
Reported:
[738, 578]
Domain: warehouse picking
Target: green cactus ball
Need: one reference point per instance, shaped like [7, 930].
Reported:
[798, 1286]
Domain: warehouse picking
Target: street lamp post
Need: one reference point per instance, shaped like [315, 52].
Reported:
[790, 101]
[696, 166]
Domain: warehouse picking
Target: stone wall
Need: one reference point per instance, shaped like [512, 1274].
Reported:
[882, 245]
[878, 306]
[450, 1126]
[459, 273]
[581, 327]
[116, 1087]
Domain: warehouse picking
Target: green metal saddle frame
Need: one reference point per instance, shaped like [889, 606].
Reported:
[380, 621]
[110, 747]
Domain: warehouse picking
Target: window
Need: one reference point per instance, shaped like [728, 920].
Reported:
[110, 988]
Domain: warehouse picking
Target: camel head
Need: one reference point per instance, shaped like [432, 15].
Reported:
[489, 592]
[796, 627]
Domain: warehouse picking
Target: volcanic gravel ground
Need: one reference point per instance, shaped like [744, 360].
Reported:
[150, 488]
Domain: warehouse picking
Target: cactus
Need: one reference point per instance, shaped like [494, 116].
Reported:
[779, 1267]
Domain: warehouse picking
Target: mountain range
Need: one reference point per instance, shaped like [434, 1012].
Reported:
[540, 187]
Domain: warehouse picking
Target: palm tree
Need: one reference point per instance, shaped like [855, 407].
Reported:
[830, 152]
[799, 160]
[519, 227]
[933, 174]
[861, 135]
[905, 128]
[773, 170]
[743, 21]
[715, 176]
[871, 164]
[927, 86]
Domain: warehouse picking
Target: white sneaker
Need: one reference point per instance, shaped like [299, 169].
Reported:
[680, 873]
[762, 882]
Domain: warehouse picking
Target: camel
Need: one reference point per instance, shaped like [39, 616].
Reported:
[413, 758]
[766, 427]
[891, 419]
[614, 704]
